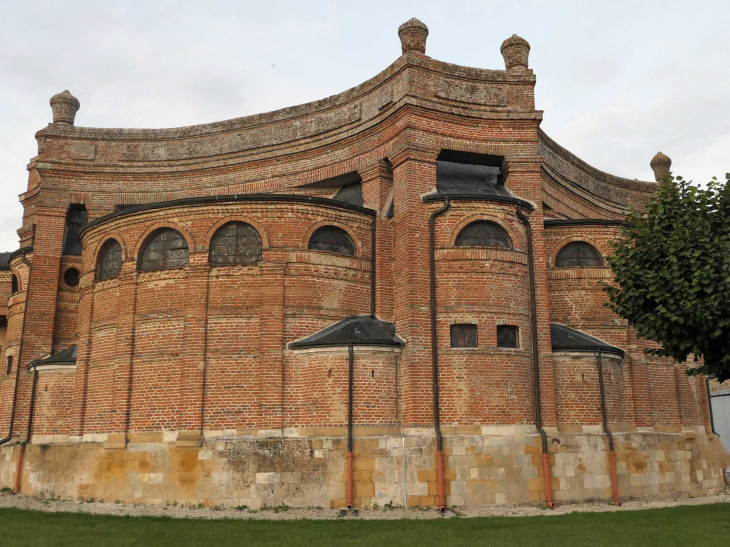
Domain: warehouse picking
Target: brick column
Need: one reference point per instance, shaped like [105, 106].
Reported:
[377, 183]
[414, 174]
[190, 401]
[270, 377]
[523, 178]
[38, 332]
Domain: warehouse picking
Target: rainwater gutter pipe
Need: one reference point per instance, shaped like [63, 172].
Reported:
[350, 370]
[372, 267]
[20, 351]
[536, 359]
[434, 357]
[611, 453]
[19, 469]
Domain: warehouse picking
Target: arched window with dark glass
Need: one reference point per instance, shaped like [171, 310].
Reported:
[109, 262]
[333, 240]
[163, 249]
[14, 287]
[578, 253]
[235, 243]
[482, 233]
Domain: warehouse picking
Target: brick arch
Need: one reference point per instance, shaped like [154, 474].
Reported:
[165, 224]
[321, 223]
[570, 239]
[464, 222]
[104, 238]
[236, 218]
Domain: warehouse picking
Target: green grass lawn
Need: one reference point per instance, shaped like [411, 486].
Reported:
[707, 525]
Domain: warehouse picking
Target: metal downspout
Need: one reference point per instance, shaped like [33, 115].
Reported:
[350, 369]
[20, 353]
[19, 468]
[372, 267]
[434, 357]
[709, 404]
[536, 359]
[611, 453]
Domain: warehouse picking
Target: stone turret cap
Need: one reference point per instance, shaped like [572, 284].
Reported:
[660, 164]
[413, 34]
[516, 52]
[64, 106]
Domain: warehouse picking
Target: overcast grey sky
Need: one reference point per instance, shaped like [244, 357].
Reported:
[618, 80]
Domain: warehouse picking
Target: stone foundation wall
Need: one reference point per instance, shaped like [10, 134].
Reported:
[492, 467]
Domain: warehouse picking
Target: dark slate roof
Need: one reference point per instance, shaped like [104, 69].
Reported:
[464, 178]
[5, 260]
[350, 193]
[63, 357]
[566, 339]
[359, 330]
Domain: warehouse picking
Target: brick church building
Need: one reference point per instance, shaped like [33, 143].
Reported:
[388, 295]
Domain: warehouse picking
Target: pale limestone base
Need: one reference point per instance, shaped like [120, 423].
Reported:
[497, 466]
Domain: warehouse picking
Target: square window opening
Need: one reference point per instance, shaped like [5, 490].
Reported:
[464, 336]
[508, 336]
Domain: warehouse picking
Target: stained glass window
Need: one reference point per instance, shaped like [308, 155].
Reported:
[578, 253]
[235, 243]
[508, 336]
[164, 249]
[482, 233]
[333, 240]
[463, 336]
[109, 263]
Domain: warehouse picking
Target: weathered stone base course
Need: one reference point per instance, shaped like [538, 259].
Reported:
[310, 472]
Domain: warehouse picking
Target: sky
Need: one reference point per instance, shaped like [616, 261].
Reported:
[618, 81]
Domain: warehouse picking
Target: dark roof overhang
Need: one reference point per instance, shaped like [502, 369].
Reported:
[436, 196]
[256, 198]
[5, 260]
[549, 222]
[565, 338]
[63, 357]
[358, 330]
[21, 251]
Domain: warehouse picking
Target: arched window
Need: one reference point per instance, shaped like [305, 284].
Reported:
[333, 240]
[578, 253]
[14, 284]
[164, 249]
[482, 233]
[235, 243]
[109, 263]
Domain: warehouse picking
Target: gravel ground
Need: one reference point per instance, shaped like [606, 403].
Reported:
[55, 505]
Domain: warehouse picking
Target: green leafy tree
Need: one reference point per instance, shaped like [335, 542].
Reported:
[671, 267]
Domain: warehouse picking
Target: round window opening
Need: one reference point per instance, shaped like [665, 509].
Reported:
[71, 277]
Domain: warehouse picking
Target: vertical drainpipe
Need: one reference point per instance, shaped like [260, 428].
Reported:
[372, 266]
[24, 442]
[20, 352]
[536, 359]
[611, 453]
[434, 357]
[350, 369]
[709, 405]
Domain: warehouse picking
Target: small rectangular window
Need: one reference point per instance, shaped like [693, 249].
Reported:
[508, 336]
[463, 336]
[10, 365]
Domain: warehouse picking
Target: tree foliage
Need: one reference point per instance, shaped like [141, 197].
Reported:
[671, 267]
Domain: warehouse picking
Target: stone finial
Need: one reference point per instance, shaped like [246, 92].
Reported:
[413, 35]
[516, 52]
[660, 164]
[64, 106]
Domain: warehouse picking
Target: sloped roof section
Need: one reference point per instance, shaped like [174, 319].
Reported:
[5, 260]
[565, 338]
[358, 330]
[63, 357]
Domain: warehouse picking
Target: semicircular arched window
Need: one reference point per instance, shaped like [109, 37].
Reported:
[14, 285]
[235, 243]
[164, 249]
[109, 262]
[482, 233]
[578, 253]
[333, 240]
